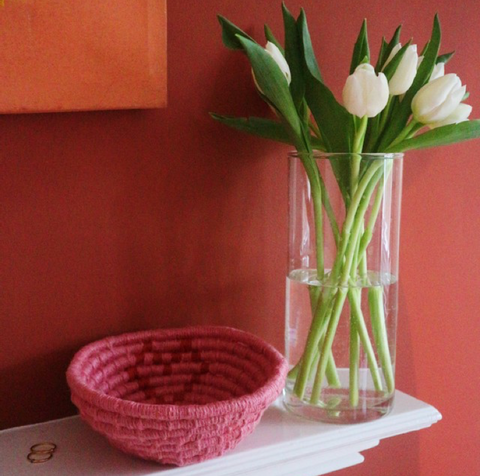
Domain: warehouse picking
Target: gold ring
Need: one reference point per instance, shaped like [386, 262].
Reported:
[44, 447]
[39, 457]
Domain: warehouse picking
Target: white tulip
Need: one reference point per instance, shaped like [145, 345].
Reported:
[435, 101]
[365, 93]
[460, 114]
[438, 71]
[406, 70]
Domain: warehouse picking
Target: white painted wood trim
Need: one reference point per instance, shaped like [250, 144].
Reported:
[282, 445]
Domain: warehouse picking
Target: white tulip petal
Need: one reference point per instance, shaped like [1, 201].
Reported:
[276, 54]
[460, 114]
[378, 96]
[438, 71]
[432, 95]
[352, 96]
[365, 93]
[405, 72]
[394, 51]
[444, 110]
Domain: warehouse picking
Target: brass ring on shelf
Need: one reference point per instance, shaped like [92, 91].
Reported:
[44, 447]
[36, 458]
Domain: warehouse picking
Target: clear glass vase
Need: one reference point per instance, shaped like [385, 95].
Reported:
[341, 298]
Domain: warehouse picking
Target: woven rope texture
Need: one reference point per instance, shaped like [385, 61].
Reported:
[176, 396]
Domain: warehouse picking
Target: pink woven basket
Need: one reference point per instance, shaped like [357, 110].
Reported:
[176, 396]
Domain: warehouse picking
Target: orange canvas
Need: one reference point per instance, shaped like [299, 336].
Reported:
[70, 55]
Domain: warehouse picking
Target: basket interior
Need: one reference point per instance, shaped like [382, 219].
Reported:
[192, 370]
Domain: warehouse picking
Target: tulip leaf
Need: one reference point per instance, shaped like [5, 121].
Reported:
[261, 127]
[231, 34]
[381, 55]
[274, 85]
[401, 113]
[445, 58]
[361, 49]
[334, 122]
[258, 126]
[388, 49]
[293, 55]
[392, 66]
[444, 135]
[306, 43]
[269, 36]
[427, 44]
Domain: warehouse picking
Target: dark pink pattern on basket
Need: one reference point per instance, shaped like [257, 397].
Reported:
[176, 396]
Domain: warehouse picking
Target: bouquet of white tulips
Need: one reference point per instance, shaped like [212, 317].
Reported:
[402, 101]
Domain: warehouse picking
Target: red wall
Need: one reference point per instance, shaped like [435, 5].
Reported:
[117, 221]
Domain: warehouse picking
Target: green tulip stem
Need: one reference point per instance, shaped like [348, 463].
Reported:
[332, 373]
[322, 317]
[354, 353]
[360, 135]
[377, 315]
[362, 330]
[330, 213]
[377, 202]
[313, 175]
[384, 115]
[357, 149]
[351, 232]
[403, 135]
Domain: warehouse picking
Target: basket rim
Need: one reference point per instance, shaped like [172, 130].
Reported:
[258, 399]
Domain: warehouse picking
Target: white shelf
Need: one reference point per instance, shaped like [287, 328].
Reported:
[282, 445]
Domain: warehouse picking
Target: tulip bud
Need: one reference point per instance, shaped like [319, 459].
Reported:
[439, 98]
[460, 114]
[406, 70]
[365, 93]
[276, 54]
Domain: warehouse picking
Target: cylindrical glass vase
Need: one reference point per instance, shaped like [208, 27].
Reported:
[341, 297]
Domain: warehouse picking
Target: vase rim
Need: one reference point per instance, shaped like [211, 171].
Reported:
[365, 155]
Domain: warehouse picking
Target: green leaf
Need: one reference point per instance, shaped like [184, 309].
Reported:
[333, 120]
[388, 49]
[381, 55]
[427, 44]
[391, 67]
[293, 55]
[401, 114]
[445, 58]
[258, 126]
[269, 36]
[444, 135]
[231, 33]
[274, 86]
[307, 48]
[361, 49]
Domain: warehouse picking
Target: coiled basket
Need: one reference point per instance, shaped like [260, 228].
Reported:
[176, 396]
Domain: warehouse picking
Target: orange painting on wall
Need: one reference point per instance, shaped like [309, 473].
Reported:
[71, 55]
